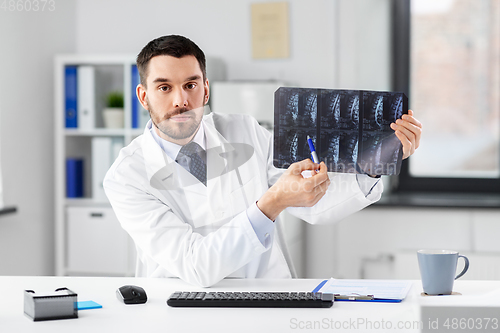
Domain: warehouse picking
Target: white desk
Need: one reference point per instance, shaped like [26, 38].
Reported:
[156, 316]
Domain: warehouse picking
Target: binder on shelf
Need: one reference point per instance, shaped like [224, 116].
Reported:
[101, 161]
[388, 291]
[86, 97]
[104, 152]
[140, 116]
[74, 178]
[71, 96]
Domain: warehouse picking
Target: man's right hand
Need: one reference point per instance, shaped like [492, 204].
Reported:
[294, 190]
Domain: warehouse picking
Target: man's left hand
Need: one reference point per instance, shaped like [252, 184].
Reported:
[408, 130]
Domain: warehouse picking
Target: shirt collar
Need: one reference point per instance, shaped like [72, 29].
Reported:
[172, 149]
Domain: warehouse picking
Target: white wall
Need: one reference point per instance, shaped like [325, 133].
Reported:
[28, 42]
[221, 28]
[363, 38]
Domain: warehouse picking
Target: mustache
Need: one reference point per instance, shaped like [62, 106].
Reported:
[176, 112]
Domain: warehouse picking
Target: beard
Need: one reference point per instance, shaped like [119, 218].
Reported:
[175, 130]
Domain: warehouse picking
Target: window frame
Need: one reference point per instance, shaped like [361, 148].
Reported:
[401, 37]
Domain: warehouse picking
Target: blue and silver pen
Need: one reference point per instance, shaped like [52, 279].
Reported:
[313, 150]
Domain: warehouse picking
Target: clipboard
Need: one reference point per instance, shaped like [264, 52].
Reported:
[385, 291]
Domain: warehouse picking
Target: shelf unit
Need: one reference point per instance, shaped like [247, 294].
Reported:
[89, 239]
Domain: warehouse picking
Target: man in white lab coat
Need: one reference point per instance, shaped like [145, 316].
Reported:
[199, 194]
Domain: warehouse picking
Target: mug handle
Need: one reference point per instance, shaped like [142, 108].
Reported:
[465, 268]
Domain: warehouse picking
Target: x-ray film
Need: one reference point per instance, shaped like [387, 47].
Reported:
[350, 128]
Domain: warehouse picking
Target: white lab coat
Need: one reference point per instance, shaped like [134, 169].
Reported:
[202, 234]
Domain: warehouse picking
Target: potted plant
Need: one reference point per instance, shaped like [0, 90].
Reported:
[113, 114]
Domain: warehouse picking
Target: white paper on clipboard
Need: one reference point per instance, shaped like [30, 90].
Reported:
[380, 289]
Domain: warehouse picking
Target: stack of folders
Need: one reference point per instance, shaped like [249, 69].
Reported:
[80, 92]
[105, 150]
[80, 98]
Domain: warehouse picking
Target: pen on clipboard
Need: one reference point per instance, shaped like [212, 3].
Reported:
[339, 297]
[314, 156]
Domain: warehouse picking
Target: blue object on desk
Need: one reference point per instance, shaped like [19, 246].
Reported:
[381, 300]
[318, 287]
[365, 290]
[87, 305]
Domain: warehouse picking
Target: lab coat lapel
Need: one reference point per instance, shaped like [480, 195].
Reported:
[160, 169]
[163, 172]
[186, 196]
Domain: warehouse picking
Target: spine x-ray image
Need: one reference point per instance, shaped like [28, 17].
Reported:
[350, 128]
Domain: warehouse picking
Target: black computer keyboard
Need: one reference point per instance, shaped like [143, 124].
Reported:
[251, 299]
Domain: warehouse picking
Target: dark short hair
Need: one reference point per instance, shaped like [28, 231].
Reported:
[172, 45]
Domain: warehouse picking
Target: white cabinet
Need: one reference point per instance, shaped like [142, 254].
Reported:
[96, 244]
[89, 238]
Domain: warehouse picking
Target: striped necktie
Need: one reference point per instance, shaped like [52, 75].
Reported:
[192, 158]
